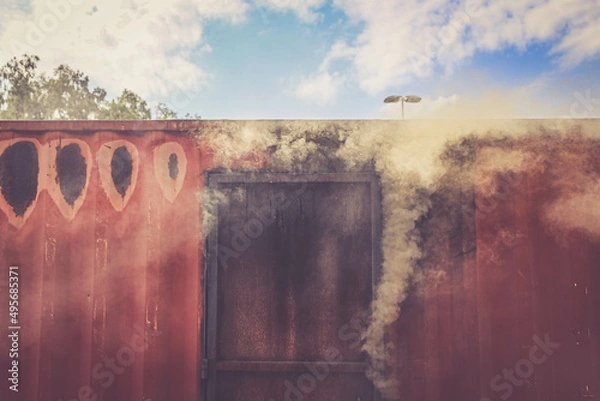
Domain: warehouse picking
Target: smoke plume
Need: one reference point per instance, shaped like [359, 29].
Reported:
[423, 167]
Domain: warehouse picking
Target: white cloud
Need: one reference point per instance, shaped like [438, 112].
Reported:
[320, 88]
[148, 45]
[339, 50]
[403, 39]
[144, 45]
[232, 10]
[304, 9]
[581, 43]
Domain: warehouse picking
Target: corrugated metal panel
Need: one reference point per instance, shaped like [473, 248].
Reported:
[96, 280]
[102, 264]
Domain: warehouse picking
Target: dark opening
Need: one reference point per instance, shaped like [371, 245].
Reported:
[71, 169]
[122, 169]
[19, 170]
[173, 166]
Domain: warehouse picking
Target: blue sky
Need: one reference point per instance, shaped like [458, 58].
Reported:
[337, 59]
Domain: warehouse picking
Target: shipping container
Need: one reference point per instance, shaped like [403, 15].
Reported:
[279, 260]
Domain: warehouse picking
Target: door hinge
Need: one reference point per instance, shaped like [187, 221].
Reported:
[204, 369]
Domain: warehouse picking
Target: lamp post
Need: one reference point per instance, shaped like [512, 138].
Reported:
[408, 99]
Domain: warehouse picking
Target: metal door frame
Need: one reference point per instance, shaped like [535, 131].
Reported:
[208, 365]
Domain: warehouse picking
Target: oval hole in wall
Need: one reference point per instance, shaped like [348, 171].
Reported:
[121, 169]
[19, 168]
[71, 172]
[173, 166]
[170, 165]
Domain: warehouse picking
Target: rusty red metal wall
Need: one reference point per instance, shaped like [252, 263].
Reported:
[110, 286]
[120, 274]
[513, 311]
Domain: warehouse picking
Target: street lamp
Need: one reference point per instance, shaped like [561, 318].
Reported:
[408, 99]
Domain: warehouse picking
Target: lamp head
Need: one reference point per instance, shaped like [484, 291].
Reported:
[412, 99]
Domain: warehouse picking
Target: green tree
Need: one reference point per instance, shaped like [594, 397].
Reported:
[21, 89]
[66, 94]
[194, 116]
[128, 106]
[163, 112]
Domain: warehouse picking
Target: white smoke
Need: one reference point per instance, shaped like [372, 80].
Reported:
[406, 155]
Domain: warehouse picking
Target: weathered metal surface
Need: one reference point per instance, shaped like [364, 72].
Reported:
[513, 312]
[293, 386]
[90, 127]
[289, 366]
[110, 279]
[102, 272]
[291, 270]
